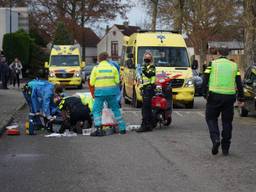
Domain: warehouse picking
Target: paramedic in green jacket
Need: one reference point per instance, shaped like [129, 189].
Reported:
[105, 80]
[221, 87]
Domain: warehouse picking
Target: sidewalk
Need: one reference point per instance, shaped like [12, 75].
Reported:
[11, 101]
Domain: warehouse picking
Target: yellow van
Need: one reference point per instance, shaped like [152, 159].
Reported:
[65, 66]
[170, 56]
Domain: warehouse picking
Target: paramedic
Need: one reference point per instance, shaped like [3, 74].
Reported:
[105, 80]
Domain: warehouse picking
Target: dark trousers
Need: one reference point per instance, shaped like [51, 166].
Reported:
[16, 77]
[4, 80]
[147, 119]
[80, 115]
[218, 104]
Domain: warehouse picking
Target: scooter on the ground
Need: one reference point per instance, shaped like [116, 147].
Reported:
[162, 102]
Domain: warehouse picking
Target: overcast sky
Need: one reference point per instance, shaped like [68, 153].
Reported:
[136, 15]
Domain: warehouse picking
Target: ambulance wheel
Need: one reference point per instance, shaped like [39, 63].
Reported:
[190, 105]
[126, 101]
[243, 112]
[135, 102]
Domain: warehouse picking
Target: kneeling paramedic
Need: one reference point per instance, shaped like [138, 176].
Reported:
[148, 87]
[74, 114]
[105, 80]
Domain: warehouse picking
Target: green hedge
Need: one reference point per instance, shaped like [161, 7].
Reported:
[21, 45]
[17, 45]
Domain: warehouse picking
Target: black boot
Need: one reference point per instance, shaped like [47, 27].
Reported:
[225, 145]
[98, 133]
[144, 128]
[225, 150]
[215, 148]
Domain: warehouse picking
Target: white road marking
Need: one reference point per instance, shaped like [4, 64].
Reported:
[199, 113]
[178, 113]
[181, 114]
[135, 112]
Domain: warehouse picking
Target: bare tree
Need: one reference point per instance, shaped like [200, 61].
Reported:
[75, 12]
[250, 31]
[15, 3]
[144, 24]
[153, 8]
[154, 13]
[172, 13]
[200, 20]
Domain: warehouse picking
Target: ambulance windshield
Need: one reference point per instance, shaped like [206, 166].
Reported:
[64, 60]
[166, 56]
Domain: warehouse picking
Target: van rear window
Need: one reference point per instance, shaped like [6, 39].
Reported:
[166, 56]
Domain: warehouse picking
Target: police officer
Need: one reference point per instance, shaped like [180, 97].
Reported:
[74, 114]
[148, 86]
[221, 80]
[105, 80]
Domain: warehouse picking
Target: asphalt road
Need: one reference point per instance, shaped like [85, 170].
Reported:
[173, 159]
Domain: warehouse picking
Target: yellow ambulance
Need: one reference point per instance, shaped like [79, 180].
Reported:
[170, 56]
[65, 65]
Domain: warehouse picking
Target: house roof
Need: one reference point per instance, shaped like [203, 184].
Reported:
[233, 45]
[86, 35]
[127, 29]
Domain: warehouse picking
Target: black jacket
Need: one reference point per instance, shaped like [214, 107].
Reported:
[73, 104]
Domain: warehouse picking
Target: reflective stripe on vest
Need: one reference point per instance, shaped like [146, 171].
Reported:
[222, 76]
[105, 75]
[147, 80]
[60, 106]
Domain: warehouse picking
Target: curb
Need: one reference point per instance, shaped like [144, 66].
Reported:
[10, 118]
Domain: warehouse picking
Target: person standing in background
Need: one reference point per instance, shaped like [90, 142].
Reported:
[4, 73]
[16, 68]
[1, 56]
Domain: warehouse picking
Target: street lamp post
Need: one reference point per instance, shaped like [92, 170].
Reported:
[11, 40]
[10, 16]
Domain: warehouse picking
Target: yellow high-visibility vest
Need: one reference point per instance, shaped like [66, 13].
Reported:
[105, 78]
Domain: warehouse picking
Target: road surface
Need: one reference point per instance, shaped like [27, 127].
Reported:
[173, 159]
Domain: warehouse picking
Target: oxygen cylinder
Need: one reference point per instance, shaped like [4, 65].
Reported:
[27, 127]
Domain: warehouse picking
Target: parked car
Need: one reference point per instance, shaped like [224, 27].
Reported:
[86, 72]
[198, 81]
[249, 85]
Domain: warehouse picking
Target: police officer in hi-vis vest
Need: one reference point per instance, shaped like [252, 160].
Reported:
[148, 86]
[222, 83]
